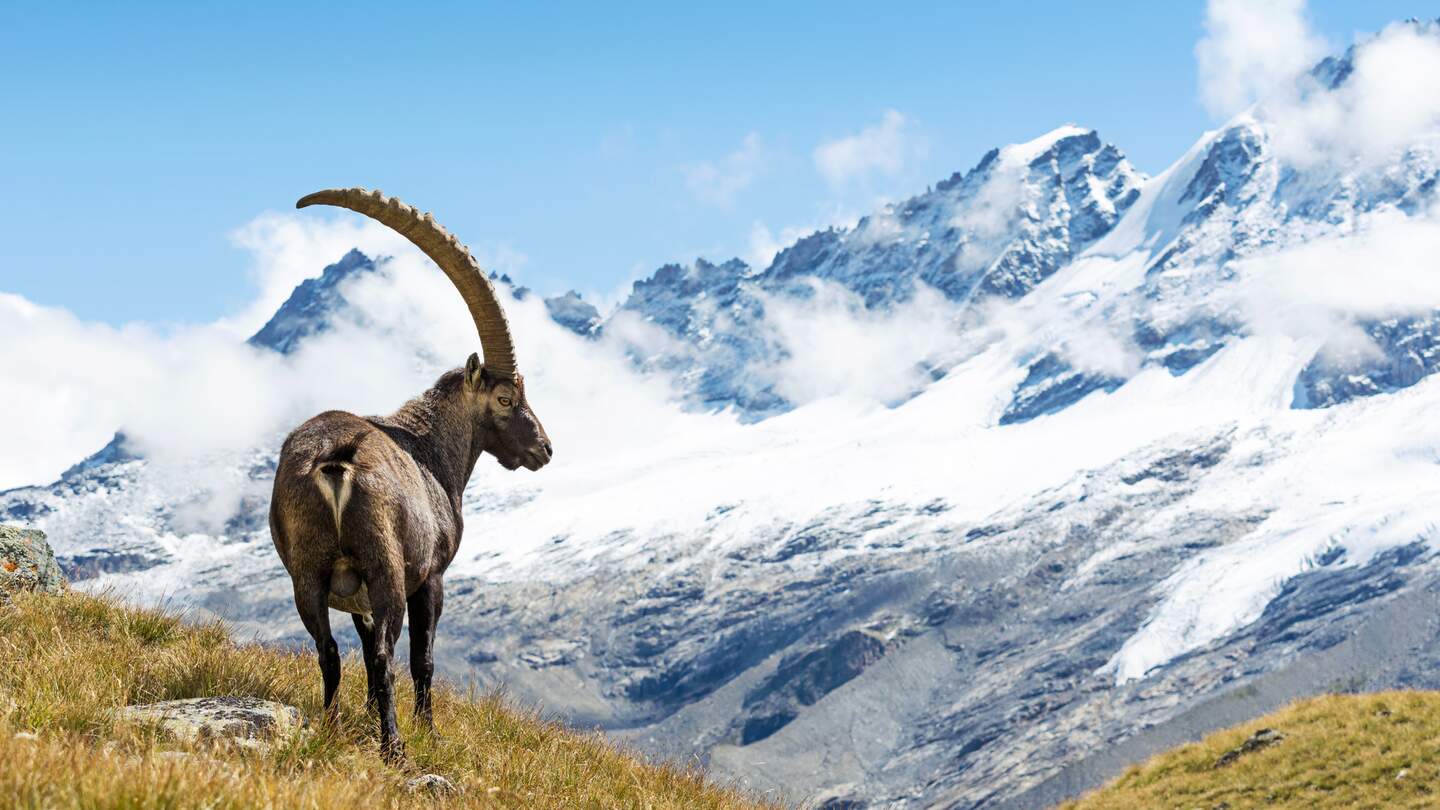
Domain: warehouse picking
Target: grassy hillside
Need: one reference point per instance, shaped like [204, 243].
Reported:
[68, 662]
[1379, 750]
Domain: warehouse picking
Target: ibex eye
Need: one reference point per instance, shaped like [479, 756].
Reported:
[505, 401]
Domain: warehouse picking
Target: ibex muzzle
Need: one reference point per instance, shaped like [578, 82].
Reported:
[366, 511]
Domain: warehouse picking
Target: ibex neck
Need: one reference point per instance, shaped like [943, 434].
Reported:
[442, 437]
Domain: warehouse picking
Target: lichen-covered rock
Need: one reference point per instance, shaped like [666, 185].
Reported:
[27, 563]
[431, 783]
[244, 721]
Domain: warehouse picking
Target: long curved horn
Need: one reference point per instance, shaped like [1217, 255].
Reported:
[447, 252]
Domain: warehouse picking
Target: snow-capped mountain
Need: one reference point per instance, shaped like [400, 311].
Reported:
[994, 231]
[1171, 465]
[309, 309]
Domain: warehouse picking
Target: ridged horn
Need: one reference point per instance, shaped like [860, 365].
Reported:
[447, 252]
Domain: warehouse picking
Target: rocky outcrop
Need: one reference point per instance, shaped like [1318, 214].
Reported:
[801, 680]
[27, 563]
[243, 721]
[1264, 738]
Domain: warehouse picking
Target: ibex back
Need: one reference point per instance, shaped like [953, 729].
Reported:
[366, 511]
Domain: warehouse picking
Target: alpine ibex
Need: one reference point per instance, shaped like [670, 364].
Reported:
[366, 510]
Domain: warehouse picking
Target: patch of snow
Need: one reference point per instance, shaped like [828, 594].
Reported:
[1022, 153]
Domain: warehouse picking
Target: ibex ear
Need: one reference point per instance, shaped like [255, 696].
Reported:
[473, 370]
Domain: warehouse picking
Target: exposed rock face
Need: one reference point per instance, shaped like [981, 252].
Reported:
[802, 680]
[27, 563]
[1050, 386]
[1408, 351]
[573, 312]
[244, 721]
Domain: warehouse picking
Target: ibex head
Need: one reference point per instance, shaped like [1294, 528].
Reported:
[509, 430]
[494, 392]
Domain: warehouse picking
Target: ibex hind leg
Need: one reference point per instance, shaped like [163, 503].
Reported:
[365, 629]
[387, 601]
[311, 602]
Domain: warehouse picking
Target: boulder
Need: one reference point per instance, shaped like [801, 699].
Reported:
[244, 721]
[431, 783]
[27, 563]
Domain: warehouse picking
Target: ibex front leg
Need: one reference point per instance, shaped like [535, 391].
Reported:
[424, 607]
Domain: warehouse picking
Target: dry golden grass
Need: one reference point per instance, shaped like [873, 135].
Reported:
[68, 662]
[1380, 750]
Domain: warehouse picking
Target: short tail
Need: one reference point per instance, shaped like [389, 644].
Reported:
[334, 474]
[335, 479]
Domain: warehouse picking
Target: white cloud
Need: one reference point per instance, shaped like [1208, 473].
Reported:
[1251, 48]
[719, 182]
[1386, 267]
[834, 346]
[287, 249]
[883, 148]
[1259, 53]
[994, 209]
[884, 227]
[1063, 324]
[185, 395]
[1390, 102]
[177, 394]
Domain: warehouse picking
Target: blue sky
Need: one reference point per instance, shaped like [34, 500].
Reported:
[595, 143]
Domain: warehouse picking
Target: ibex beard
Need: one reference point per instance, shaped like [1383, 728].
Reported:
[366, 511]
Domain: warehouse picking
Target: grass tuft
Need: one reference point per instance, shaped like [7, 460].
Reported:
[1338, 751]
[67, 663]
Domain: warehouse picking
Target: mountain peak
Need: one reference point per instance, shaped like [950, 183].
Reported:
[1027, 152]
[574, 313]
[350, 261]
[307, 311]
